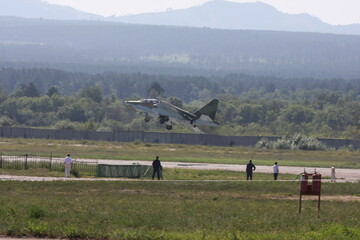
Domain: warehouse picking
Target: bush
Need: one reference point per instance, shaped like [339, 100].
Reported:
[72, 231]
[293, 143]
[283, 143]
[36, 212]
[37, 229]
[265, 143]
[65, 125]
[6, 121]
[136, 142]
[348, 148]
[310, 143]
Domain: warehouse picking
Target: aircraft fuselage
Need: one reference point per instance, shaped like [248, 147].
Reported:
[168, 113]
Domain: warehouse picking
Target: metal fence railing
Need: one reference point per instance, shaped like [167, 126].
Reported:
[26, 161]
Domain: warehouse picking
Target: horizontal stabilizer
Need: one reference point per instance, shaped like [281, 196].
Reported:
[209, 109]
[205, 120]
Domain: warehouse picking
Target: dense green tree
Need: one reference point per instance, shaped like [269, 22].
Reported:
[74, 112]
[29, 90]
[176, 102]
[248, 105]
[155, 90]
[94, 93]
[53, 90]
[298, 114]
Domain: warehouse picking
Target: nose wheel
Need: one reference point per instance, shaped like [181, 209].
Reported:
[168, 127]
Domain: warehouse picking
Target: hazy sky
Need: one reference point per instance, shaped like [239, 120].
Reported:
[330, 11]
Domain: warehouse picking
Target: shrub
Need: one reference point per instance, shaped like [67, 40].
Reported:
[71, 231]
[37, 229]
[348, 148]
[265, 144]
[136, 142]
[6, 121]
[293, 143]
[65, 125]
[310, 143]
[283, 143]
[36, 212]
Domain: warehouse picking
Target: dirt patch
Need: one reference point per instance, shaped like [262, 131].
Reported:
[170, 149]
[133, 191]
[342, 198]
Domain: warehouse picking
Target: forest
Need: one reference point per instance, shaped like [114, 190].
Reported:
[249, 105]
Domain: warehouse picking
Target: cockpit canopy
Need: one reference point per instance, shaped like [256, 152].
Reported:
[150, 101]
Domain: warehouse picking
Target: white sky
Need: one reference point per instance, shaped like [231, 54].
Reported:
[330, 11]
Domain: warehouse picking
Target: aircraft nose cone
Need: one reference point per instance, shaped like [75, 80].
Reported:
[131, 103]
[128, 103]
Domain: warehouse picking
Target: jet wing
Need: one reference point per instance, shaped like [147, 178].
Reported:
[205, 120]
[185, 114]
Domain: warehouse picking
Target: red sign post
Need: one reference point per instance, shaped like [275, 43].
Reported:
[310, 188]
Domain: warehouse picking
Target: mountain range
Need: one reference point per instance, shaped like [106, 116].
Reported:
[248, 16]
[41, 9]
[36, 42]
[214, 14]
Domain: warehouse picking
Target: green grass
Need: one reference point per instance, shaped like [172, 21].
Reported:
[174, 210]
[168, 174]
[184, 153]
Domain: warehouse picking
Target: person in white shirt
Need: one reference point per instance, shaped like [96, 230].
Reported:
[333, 176]
[276, 170]
[67, 164]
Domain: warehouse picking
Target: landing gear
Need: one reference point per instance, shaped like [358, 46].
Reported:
[147, 118]
[163, 119]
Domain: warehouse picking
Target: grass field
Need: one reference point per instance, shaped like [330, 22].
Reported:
[175, 210]
[168, 174]
[186, 153]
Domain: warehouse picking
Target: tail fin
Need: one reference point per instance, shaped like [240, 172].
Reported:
[209, 109]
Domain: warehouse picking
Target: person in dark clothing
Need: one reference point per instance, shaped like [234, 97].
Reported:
[250, 167]
[276, 170]
[157, 168]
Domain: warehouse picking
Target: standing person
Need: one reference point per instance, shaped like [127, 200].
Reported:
[333, 176]
[157, 168]
[250, 167]
[276, 170]
[67, 164]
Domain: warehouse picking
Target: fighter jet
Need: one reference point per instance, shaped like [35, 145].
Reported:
[168, 113]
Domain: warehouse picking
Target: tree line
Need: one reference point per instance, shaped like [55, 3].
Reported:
[248, 105]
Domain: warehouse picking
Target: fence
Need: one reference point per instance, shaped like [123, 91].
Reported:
[26, 161]
[130, 171]
[154, 137]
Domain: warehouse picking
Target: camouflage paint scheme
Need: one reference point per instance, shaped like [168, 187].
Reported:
[168, 113]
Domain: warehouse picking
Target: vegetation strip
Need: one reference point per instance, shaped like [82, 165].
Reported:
[179, 153]
[249, 106]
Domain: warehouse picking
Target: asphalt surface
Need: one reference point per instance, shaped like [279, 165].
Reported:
[347, 175]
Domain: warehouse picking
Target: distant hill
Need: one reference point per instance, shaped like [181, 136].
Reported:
[41, 9]
[214, 14]
[247, 16]
[74, 43]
